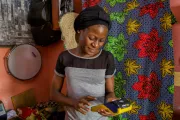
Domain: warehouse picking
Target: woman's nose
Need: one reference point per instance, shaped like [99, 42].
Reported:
[95, 44]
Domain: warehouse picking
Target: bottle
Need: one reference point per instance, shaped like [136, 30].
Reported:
[3, 114]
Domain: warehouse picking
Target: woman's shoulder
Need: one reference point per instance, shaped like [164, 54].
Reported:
[63, 54]
[106, 53]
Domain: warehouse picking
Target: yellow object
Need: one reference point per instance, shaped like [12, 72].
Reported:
[24, 99]
[119, 111]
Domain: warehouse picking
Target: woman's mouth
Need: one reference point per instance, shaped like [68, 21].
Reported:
[92, 50]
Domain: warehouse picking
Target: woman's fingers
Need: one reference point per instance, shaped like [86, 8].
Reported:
[83, 106]
[82, 111]
[90, 98]
[105, 112]
[85, 102]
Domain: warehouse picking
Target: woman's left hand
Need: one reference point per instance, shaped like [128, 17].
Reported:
[105, 113]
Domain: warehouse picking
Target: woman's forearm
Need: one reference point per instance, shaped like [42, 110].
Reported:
[55, 93]
[59, 97]
[110, 96]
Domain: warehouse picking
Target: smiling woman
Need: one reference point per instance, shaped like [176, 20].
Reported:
[91, 40]
[88, 69]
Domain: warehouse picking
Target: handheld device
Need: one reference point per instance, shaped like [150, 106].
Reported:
[115, 107]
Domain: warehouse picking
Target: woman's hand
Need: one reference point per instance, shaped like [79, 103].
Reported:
[105, 113]
[82, 103]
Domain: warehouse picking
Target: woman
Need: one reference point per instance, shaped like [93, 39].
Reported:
[89, 69]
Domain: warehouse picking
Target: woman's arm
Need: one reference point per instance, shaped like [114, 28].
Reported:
[109, 88]
[110, 96]
[55, 93]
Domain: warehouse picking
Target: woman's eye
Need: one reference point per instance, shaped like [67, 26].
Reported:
[101, 40]
[92, 38]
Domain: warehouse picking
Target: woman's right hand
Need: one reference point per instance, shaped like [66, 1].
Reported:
[82, 103]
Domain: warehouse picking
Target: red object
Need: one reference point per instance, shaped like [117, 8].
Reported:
[26, 112]
[148, 87]
[151, 9]
[90, 3]
[151, 116]
[149, 45]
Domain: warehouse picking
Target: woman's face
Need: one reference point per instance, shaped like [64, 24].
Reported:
[92, 39]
